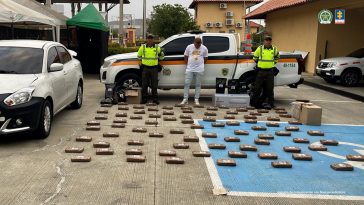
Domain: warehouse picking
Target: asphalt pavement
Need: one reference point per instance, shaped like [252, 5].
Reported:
[40, 172]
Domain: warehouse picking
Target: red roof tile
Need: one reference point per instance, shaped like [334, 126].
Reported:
[273, 5]
[253, 24]
[194, 2]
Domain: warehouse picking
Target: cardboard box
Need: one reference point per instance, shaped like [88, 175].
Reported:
[133, 96]
[311, 115]
[296, 109]
[231, 100]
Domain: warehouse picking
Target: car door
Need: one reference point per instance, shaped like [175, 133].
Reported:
[174, 67]
[69, 73]
[221, 63]
[57, 78]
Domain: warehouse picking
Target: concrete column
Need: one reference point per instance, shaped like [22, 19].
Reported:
[73, 9]
[48, 3]
[121, 22]
[144, 19]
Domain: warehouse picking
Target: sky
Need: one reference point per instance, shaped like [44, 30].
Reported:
[135, 8]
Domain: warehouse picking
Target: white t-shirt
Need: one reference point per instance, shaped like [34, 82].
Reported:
[196, 58]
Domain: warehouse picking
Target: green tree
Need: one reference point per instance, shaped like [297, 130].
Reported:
[167, 20]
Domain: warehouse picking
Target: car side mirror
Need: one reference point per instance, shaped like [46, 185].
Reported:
[73, 53]
[56, 67]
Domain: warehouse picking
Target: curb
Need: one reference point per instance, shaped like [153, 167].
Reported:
[335, 91]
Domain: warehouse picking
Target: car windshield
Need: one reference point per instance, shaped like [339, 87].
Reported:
[357, 54]
[17, 60]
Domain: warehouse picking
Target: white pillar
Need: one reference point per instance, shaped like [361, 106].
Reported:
[121, 22]
[48, 3]
[144, 19]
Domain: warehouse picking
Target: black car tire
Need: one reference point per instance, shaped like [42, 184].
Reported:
[77, 104]
[127, 81]
[350, 78]
[45, 121]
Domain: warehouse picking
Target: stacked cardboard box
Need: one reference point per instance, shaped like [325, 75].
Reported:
[306, 113]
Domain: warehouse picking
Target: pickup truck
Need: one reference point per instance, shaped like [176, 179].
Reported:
[121, 72]
[348, 70]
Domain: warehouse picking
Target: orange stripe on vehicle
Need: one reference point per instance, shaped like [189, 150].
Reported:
[125, 63]
[287, 60]
[181, 62]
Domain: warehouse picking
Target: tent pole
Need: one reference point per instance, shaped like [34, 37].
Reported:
[53, 33]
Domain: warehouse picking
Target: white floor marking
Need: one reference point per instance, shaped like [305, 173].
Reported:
[217, 183]
[357, 164]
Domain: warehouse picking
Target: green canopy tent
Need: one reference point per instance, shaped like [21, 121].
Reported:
[91, 38]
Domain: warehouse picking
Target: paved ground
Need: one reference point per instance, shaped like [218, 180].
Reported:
[358, 90]
[39, 172]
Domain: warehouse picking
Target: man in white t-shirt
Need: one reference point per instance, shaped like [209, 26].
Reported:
[195, 57]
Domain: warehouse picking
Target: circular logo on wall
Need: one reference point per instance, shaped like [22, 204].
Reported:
[225, 71]
[166, 71]
[325, 17]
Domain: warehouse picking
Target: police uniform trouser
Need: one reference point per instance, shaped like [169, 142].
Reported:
[264, 80]
[150, 78]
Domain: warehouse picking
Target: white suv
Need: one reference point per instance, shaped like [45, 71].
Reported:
[37, 80]
[348, 70]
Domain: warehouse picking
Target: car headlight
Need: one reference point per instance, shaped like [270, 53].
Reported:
[108, 63]
[330, 65]
[19, 97]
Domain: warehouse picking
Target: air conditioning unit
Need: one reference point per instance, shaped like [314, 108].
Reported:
[239, 25]
[218, 24]
[229, 22]
[223, 5]
[229, 14]
[209, 25]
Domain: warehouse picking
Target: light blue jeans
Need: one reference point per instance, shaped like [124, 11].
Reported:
[189, 76]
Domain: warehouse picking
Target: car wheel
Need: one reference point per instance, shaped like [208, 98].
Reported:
[77, 104]
[127, 81]
[45, 122]
[350, 78]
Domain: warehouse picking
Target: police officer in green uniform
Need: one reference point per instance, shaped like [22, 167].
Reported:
[150, 54]
[266, 56]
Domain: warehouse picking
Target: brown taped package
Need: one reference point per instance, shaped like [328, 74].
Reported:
[110, 134]
[73, 150]
[235, 154]
[342, 167]
[248, 148]
[80, 158]
[201, 154]
[167, 153]
[101, 144]
[216, 146]
[232, 139]
[261, 142]
[190, 139]
[226, 162]
[266, 136]
[292, 149]
[281, 164]
[266, 155]
[181, 146]
[136, 142]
